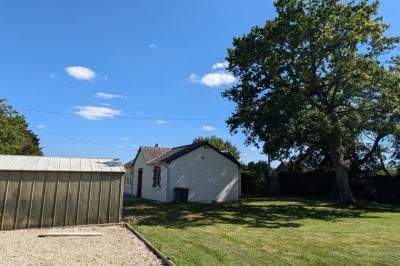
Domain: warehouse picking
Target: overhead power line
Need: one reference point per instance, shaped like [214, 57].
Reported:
[125, 116]
[85, 141]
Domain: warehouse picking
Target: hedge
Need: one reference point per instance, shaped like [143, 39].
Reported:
[378, 188]
[312, 183]
[252, 183]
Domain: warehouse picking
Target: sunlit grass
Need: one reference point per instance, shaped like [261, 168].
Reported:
[271, 231]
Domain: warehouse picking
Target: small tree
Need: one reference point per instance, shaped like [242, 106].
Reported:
[314, 81]
[220, 144]
[15, 136]
[258, 172]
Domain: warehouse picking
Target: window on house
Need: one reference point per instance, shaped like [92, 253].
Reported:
[156, 176]
[127, 178]
[131, 179]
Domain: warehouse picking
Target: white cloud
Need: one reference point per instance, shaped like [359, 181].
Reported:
[41, 126]
[96, 112]
[108, 96]
[208, 128]
[124, 138]
[221, 65]
[253, 148]
[246, 154]
[153, 46]
[160, 122]
[134, 146]
[220, 77]
[80, 72]
[214, 79]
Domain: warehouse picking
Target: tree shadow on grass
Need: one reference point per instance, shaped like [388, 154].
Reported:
[269, 212]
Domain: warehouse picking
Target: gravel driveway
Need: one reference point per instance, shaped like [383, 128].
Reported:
[116, 246]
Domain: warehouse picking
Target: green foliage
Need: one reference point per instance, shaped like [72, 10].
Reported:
[15, 136]
[315, 80]
[220, 144]
[255, 177]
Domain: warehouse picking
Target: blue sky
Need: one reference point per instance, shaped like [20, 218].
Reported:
[105, 61]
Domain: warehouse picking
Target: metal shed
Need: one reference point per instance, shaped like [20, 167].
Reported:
[52, 191]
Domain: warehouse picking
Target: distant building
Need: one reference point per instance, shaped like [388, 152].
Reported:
[194, 173]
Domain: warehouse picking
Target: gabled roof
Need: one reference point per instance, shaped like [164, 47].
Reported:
[59, 164]
[151, 153]
[176, 153]
[157, 155]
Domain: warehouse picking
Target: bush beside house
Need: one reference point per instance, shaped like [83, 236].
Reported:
[255, 178]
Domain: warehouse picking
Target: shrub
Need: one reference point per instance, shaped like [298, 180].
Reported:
[253, 183]
[311, 183]
[378, 188]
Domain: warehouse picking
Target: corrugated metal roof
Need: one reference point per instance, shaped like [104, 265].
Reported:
[59, 164]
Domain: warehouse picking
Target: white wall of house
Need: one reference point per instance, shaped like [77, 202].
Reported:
[209, 176]
[148, 192]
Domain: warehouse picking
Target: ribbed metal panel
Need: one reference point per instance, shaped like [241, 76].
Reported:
[45, 198]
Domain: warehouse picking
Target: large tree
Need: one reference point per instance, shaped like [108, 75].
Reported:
[315, 81]
[220, 144]
[15, 136]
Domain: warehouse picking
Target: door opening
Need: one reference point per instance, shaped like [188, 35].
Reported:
[139, 183]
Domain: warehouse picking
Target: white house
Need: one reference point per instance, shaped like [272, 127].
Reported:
[207, 174]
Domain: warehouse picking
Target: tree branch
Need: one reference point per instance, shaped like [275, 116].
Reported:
[375, 146]
[383, 163]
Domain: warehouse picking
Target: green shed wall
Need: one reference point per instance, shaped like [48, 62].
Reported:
[49, 199]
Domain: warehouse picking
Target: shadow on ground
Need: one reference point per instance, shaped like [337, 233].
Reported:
[271, 212]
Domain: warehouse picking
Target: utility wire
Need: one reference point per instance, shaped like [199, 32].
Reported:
[124, 116]
[85, 141]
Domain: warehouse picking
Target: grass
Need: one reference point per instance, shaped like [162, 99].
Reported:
[271, 231]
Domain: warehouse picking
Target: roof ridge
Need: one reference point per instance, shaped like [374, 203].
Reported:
[176, 147]
[187, 145]
[154, 148]
[182, 146]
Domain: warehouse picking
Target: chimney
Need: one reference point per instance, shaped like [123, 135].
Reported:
[156, 145]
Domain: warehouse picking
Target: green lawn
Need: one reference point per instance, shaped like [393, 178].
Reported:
[271, 231]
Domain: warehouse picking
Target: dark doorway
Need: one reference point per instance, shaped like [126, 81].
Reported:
[139, 183]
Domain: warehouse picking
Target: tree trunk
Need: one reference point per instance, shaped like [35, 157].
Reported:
[342, 176]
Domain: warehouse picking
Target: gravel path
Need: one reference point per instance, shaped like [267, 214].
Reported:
[117, 246]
